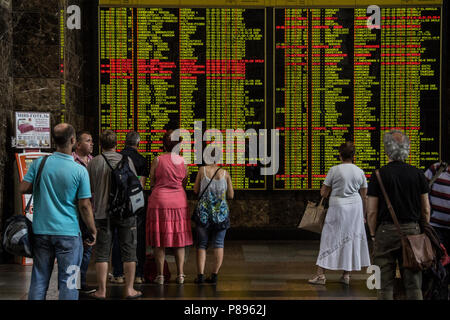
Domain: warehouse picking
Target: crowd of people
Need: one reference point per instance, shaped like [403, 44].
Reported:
[71, 217]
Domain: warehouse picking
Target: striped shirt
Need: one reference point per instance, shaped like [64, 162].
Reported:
[439, 197]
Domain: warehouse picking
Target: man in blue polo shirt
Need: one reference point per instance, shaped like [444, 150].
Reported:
[63, 186]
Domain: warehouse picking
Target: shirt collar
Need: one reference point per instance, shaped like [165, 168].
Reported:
[63, 155]
[77, 158]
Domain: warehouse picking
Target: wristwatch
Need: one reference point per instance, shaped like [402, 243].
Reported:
[372, 237]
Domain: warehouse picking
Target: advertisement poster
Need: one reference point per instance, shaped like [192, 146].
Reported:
[32, 130]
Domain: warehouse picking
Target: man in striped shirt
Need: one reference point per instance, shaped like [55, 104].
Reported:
[440, 203]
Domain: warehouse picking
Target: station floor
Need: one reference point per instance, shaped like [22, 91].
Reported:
[263, 270]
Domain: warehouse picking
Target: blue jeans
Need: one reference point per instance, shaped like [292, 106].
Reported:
[87, 251]
[217, 237]
[68, 252]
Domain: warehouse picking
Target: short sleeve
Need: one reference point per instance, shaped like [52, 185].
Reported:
[329, 179]
[131, 164]
[424, 188]
[84, 187]
[364, 180]
[373, 186]
[32, 171]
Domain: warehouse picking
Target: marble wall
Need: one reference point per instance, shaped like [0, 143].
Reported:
[41, 69]
[6, 89]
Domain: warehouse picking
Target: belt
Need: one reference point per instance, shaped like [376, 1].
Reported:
[400, 222]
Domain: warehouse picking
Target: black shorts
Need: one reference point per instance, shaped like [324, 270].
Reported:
[127, 233]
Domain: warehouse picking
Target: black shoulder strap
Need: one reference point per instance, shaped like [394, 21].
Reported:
[201, 195]
[107, 162]
[442, 167]
[36, 182]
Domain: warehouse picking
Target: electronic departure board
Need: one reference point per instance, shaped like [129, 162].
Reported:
[334, 80]
[165, 68]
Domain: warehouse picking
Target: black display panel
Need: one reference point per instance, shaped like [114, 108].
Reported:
[164, 68]
[338, 80]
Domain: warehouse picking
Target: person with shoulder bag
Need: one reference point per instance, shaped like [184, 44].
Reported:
[343, 243]
[394, 216]
[211, 216]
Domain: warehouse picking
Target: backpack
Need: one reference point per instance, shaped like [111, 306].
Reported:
[211, 211]
[126, 196]
[18, 236]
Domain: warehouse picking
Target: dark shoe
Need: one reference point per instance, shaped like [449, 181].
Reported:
[212, 279]
[136, 296]
[87, 290]
[200, 279]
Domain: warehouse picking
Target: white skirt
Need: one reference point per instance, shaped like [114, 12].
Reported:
[343, 244]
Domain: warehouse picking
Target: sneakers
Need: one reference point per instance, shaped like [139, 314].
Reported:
[212, 279]
[200, 279]
[180, 279]
[159, 280]
[345, 280]
[117, 280]
[139, 280]
[319, 279]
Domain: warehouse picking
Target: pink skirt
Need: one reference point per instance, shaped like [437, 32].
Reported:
[168, 227]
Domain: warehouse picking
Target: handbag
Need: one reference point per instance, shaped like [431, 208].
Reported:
[196, 215]
[417, 251]
[313, 217]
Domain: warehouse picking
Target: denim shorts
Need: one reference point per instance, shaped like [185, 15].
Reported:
[216, 237]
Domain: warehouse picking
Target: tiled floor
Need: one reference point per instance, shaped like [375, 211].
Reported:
[251, 270]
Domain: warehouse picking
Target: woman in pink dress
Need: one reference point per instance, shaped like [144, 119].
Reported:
[168, 220]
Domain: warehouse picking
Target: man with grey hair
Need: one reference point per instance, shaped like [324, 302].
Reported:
[407, 189]
[131, 150]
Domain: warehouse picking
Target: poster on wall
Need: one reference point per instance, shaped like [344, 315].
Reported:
[32, 130]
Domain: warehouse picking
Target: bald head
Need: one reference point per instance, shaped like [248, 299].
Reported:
[62, 134]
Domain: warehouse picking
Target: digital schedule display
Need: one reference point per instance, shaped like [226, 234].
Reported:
[165, 68]
[333, 80]
[337, 80]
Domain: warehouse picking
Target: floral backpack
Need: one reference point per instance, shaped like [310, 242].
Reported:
[212, 210]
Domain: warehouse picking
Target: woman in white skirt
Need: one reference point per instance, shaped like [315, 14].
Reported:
[343, 244]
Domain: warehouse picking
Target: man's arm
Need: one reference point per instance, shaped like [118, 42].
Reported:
[425, 207]
[84, 205]
[372, 214]
[142, 180]
[25, 187]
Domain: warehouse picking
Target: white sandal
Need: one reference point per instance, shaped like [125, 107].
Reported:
[159, 280]
[180, 278]
[319, 279]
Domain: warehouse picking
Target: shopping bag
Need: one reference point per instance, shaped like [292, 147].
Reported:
[314, 217]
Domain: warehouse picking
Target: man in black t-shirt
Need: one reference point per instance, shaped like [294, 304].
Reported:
[140, 163]
[407, 189]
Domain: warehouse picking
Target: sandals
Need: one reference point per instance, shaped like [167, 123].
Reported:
[159, 280]
[180, 278]
[345, 280]
[319, 279]
[136, 296]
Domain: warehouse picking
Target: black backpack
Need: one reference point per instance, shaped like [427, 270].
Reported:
[18, 235]
[126, 196]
